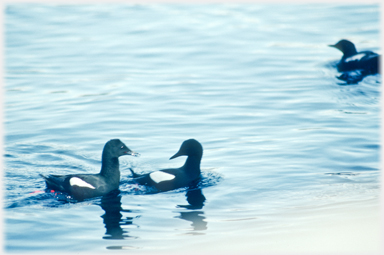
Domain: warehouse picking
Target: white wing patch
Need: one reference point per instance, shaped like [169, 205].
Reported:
[355, 57]
[74, 181]
[160, 176]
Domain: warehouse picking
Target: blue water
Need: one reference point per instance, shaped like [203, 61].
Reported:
[255, 84]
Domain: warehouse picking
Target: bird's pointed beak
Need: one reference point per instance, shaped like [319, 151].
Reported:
[133, 153]
[332, 45]
[178, 154]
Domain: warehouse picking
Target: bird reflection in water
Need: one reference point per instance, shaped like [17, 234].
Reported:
[113, 219]
[196, 201]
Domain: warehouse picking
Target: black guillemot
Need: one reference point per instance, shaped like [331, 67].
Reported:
[83, 186]
[365, 61]
[174, 178]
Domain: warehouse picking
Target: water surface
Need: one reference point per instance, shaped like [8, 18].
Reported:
[255, 84]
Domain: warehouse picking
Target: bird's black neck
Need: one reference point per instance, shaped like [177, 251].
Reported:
[110, 167]
[348, 52]
[192, 164]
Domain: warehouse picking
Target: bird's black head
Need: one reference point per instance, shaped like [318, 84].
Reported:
[345, 46]
[116, 148]
[190, 147]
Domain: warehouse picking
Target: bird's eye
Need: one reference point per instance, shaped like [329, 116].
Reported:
[122, 146]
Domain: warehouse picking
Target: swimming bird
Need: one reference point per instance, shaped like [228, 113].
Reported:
[367, 62]
[83, 186]
[174, 178]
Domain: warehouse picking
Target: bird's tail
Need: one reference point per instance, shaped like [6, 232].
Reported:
[44, 177]
[53, 182]
[134, 175]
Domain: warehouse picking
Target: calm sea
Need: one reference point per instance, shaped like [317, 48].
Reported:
[254, 83]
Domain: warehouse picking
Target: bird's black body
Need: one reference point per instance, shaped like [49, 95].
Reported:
[83, 186]
[174, 178]
[353, 60]
[356, 65]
